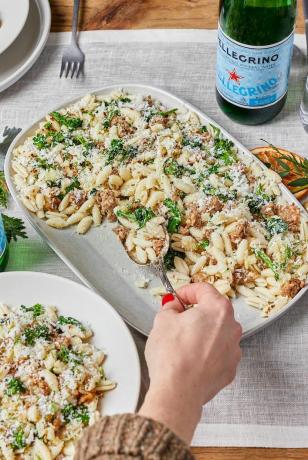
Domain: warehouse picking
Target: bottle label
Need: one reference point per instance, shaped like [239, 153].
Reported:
[252, 76]
[2, 238]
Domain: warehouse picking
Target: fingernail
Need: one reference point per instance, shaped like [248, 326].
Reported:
[167, 298]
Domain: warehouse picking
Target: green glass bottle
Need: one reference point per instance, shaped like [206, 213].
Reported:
[4, 251]
[255, 44]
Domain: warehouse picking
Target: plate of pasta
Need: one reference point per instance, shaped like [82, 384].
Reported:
[66, 359]
[100, 178]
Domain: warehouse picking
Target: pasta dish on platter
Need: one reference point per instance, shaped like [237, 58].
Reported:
[129, 159]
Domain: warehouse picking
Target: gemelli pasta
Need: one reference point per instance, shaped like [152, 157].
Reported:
[130, 159]
[52, 380]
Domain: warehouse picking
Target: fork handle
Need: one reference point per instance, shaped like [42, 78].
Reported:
[168, 286]
[75, 20]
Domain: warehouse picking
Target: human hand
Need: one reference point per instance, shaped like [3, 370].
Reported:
[191, 356]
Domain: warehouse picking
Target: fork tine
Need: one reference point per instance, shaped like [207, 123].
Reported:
[62, 67]
[68, 68]
[79, 66]
[74, 66]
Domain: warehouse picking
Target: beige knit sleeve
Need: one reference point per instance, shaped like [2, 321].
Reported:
[129, 436]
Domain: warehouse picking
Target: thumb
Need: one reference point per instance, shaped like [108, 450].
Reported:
[170, 302]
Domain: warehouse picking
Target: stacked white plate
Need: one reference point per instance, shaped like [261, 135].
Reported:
[24, 29]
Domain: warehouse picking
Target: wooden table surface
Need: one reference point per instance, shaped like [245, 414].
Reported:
[189, 14]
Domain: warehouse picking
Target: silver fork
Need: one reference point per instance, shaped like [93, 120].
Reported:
[73, 58]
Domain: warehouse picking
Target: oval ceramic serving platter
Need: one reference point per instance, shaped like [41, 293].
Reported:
[99, 260]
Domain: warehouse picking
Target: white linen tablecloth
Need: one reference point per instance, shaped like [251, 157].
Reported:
[267, 405]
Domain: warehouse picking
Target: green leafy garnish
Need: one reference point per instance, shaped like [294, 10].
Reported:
[216, 130]
[43, 163]
[203, 129]
[4, 194]
[36, 310]
[173, 168]
[14, 387]
[86, 143]
[275, 225]
[174, 215]
[14, 228]
[203, 244]
[222, 195]
[117, 151]
[260, 254]
[40, 141]
[74, 184]
[111, 114]
[193, 142]
[124, 99]
[140, 215]
[223, 150]
[168, 112]
[56, 137]
[169, 258]
[18, 439]
[70, 122]
[79, 412]
[62, 320]
[258, 200]
[66, 356]
[40, 331]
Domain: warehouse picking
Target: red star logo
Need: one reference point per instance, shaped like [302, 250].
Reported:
[234, 76]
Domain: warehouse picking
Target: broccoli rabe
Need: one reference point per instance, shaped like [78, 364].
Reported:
[117, 151]
[260, 254]
[18, 439]
[140, 215]
[62, 320]
[275, 225]
[173, 168]
[79, 412]
[203, 244]
[31, 334]
[174, 215]
[66, 355]
[36, 310]
[14, 386]
[71, 123]
[40, 141]
[169, 258]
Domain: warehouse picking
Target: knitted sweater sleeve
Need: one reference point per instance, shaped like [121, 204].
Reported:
[130, 436]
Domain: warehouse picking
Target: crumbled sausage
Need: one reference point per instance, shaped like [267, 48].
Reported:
[213, 205]
[159, 119]
[124, 128]
[158, 246]
[292, 287]
[239, 233]
[107, 201]
[240, 276]
[52, 203]
[268, 210]
[149, 100]
[194, 218]
[291, 215]
[78, 197]
[121, 232]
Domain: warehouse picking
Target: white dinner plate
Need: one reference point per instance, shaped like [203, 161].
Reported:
[100, 261]
[18, 58]
[110, 333]
[13, 15]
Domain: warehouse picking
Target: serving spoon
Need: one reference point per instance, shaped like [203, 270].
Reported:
[159, 268]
